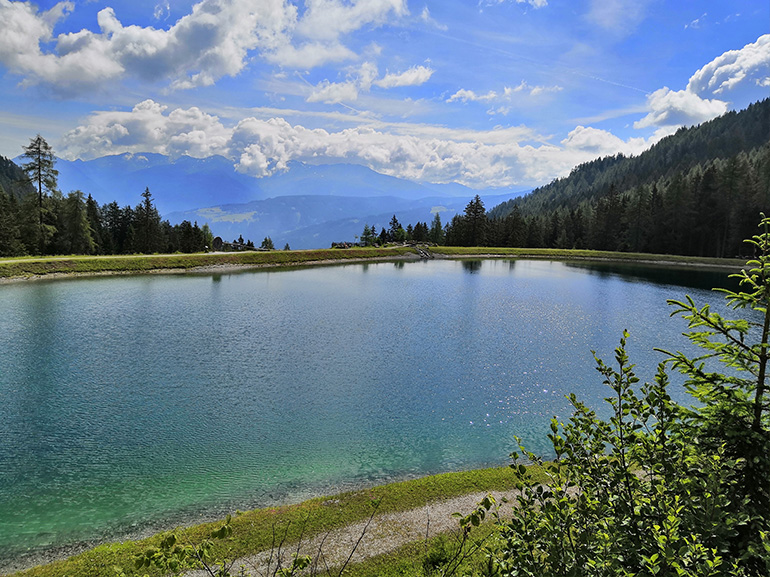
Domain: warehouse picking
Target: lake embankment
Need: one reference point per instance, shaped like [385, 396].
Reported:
[32, 268]
[403, 510]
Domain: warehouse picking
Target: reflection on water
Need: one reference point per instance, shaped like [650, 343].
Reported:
[149, 399]
[471, 266]
[695, 277]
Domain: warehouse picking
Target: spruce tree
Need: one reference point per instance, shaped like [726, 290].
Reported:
[475, 223]
[436, 234]
[146, 226]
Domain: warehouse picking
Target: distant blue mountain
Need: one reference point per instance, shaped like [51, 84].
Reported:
[316, 221]
[308, 206]
[187, 183]
[176, 184]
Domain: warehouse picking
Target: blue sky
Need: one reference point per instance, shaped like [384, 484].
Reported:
[488, 93]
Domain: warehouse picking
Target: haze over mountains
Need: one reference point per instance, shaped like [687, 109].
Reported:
[308, 206]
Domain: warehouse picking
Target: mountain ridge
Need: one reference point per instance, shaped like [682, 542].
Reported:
[186, 183]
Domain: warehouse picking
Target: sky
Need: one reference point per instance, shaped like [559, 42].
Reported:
[486, 93]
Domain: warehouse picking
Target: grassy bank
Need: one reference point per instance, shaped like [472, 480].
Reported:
[42, 266]
[255, 531]
[30, 267]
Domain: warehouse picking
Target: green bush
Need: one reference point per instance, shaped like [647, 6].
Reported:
[659, 489]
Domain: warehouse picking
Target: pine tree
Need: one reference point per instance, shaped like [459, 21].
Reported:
[95, 222]
[208, 237]
[475, 223]
[146, 226]
[436, 234]
[393, 228]
[368, 236]
[42, 174]
[74, 234]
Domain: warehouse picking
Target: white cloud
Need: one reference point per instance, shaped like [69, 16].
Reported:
[525, 87]
[414, 76]
[680, 108]
[214, 40]
[309, 55]
[734, 71]
[601, 143]
[329, 19]
[428, 19]
[162, 11]
[533, 3]
[697, 22]
[464, 95]
[148, 128]
[507, 96]
[334, 92]
[737, 77]
[361, 80]
[316, 37]
[260, 147]
[211, 42]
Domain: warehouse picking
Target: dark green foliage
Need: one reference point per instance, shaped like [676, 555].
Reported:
[73, 232]
[661, 489]
[420, 232]
[368, 236]
[469, 228]
[186, 237]
[436, 234]
[43, 176]
[625, 495]
[723, 137]
[267, 243]
[13, 180]
[474, 225]
[393, 227]
[95, 224]
[734, 415]
[698, 192]
[10, 235]
[147, 237]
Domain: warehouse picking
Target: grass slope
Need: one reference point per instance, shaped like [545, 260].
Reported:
[28, 267]
[255, 531]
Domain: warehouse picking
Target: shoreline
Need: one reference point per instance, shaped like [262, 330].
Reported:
[225, 268]
[404, 254]
[404, 498]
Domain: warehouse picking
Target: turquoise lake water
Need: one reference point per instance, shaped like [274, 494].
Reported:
[139, 402]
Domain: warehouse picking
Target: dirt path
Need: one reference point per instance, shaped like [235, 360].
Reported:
[385, 533]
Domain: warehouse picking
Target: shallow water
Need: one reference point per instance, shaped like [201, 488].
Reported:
[139, 401]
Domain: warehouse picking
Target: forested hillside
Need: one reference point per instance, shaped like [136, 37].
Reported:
[697, 192]
[13, 180]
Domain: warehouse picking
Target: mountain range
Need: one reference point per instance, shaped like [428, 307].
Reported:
[308, 206]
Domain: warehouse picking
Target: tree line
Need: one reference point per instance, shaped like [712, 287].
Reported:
[704, 211]
[698, 192]
[395, 232]
[38, 219]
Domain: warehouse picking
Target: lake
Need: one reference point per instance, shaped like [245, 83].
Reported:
[140, 402]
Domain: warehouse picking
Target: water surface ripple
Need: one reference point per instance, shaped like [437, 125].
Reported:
[127, 401]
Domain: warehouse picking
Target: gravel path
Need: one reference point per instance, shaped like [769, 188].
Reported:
[384, 534]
